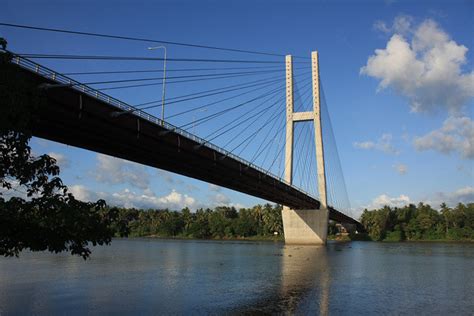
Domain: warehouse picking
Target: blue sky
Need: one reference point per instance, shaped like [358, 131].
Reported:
[402, 116]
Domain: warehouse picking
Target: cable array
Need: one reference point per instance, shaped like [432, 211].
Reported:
[338, 197]
[232, 103]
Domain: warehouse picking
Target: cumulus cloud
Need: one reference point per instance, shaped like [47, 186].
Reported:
[174, 200]
[168, 177]
[116, 171]
[81, 193]
[401, 168]
[220, 199]
[423, 64]
[384, 144]
[456, 135]
[131, 199]
[61, 160]
[462, 195]
[384, 199]
[401, 25]
[16, 190]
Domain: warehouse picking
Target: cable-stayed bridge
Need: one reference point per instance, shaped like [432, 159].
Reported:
[223, 125]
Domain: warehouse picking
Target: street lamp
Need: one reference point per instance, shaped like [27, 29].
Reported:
[164, 82]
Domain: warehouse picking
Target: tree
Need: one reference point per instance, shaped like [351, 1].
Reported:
[199, 228]
[217, 224]
[37, 212]
[245, 225]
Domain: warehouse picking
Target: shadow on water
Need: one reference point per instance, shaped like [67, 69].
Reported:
[305, 283]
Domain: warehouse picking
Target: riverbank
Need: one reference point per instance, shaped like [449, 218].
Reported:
[261, 222]
[250, 238]
[278, 238]
[430, 241]
[340, 238]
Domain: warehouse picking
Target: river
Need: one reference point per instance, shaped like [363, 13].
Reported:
[153, 276]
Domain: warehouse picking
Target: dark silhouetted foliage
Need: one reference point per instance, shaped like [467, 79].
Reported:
[36, 210]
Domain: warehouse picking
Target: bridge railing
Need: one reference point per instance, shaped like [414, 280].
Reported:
[69, 82]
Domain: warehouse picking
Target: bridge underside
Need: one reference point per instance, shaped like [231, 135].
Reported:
[74, 118]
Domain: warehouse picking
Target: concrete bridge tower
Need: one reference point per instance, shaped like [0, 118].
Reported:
[305, 226]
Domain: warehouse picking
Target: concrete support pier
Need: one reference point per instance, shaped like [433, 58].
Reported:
[305, 227]
[309, 227]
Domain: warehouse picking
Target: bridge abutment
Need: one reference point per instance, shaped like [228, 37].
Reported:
[305, 227]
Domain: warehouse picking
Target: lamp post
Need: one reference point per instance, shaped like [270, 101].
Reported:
[164, 82]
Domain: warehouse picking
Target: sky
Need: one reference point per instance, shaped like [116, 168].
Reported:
[398, 80]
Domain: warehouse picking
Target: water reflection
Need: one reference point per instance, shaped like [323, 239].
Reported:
[304, 283]
[306, 277]
[150, 277]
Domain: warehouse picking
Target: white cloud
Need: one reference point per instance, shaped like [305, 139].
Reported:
[462, 195]
[401, 25]
[214, 187]
[16, 190]
[401, 168]
[456, 135]
[384, 144]
[424, 65]
[381, 26]
[169, 177]
[131, 199]
[116, 171]
[61, 160]
[364, 145]
[81, 193]
[220, 199]
[174, 200]
[384, 199]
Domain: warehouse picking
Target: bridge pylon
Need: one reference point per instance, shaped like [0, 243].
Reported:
[305, 226]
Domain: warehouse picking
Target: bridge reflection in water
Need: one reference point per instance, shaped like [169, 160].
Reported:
[305, 274]
[304, 285]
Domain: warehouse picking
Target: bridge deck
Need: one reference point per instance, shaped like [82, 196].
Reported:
[77, 115]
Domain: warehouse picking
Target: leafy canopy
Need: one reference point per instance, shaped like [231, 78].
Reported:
[36, 210]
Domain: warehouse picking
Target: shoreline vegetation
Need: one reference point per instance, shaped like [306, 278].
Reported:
[420, 223]
[336, 238]
[412, 223]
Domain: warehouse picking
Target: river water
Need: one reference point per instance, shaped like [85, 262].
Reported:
[152, 276]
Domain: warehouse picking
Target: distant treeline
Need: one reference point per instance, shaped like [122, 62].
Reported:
[220, 223]
[411, 222]
[420, 222]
